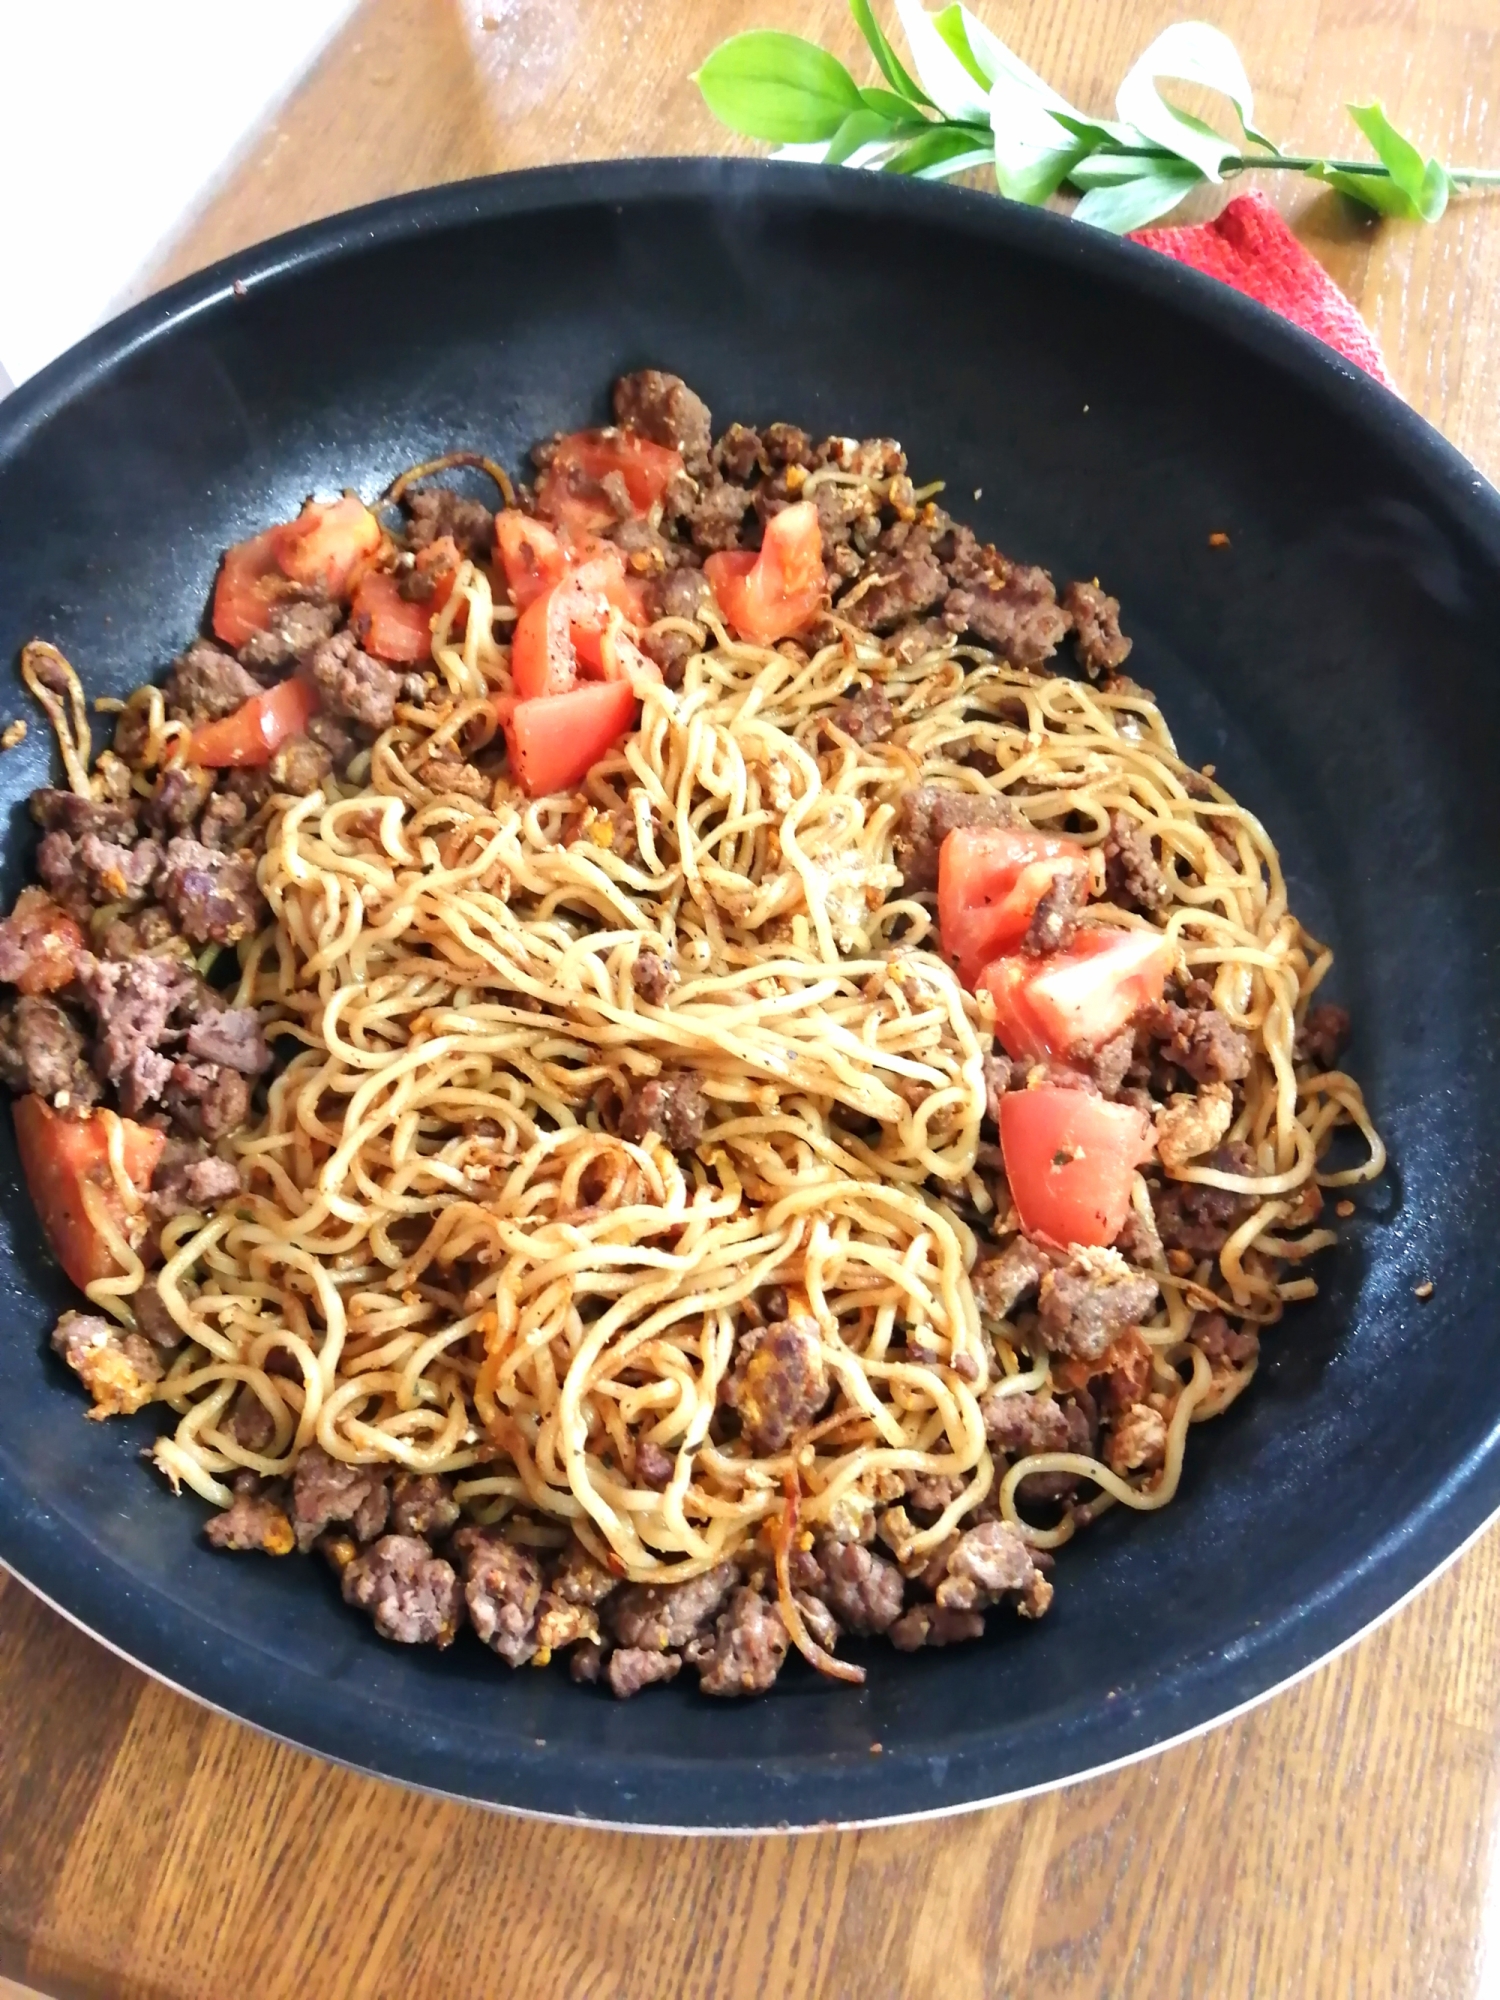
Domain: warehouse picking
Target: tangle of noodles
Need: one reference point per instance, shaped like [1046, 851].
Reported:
[446, 1259]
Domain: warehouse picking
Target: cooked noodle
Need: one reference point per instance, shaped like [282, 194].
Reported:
[446, 1260]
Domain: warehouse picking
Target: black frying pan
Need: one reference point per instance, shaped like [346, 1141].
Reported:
[1337, 661]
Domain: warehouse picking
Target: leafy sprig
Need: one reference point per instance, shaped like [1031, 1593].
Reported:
[972, 103]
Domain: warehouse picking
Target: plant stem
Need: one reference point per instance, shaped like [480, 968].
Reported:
[1301, 163]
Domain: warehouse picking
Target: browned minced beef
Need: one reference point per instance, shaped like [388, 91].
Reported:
[989, 1561]
[181, 793]
[631, 1668]
[1054, 921]
[1200, 1220]
[1108, 1065]
[653, 1466]
[41, 1050]
[577, 1579]
[254, 1519]
[435, 511]
[1132, 874]
[118, 1368]
[867, 716]
[1025, 1423]
[717, 515]
[187, 1178]
[935, 1625]
[663, 408]
[1322, 1036]
[299, 766]
[749, 1645]
[1000, 1279]
[223, 818]
[212, 895]
[652, 978]
[132, 1001]
[1018, 614]
[231, 1036]
[1095, 616]
[1201, 1041]
[66, 812]
[292, 629]
[325, 1491]
[1223, 1343]
[860, 1588]
[998, 1071]
[351, 683]
[903, 580]
[205, 683]
[678, 593]
[206, 1100]
[779, 1382]
[672, 1104]
[153, 1319]
[502, 1586]
[1080, 1310]
[662, 1618]
[411, 1594]
[928, 814]
[423, 1504]
[739, 454]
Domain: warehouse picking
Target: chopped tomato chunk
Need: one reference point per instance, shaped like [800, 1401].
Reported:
[530, 554]
[249, 583]
[59, 1156]
[1088, 993]
[391, 626]
[327, 543]
[257, 728]
[1069, 1157]
[45, 938]
[571, 490]
[990, 881]
[768, 596]
[579, 626]
[555, 740]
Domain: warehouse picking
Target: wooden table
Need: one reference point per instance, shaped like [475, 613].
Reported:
[1336, 1841]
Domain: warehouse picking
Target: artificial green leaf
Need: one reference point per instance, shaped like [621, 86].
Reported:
[938, 152]
[1424, 182]
[950, 86]
[1139, 201]
[887, 103]
[891, 66]
[1114, 169]
[1190, 52]
[860, 128]
[950, 25]
[1039, 175]
[778, 87]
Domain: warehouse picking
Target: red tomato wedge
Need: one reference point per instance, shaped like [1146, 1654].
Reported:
[326, 543]
[58, 1156]
[555, 741]
[571, 490]
[249, 583]
[256, 729]
[530, 554]
[1069, 1157]
[574, 629]
[391, 626]
[769, 596]
[990, 880]
[1047, 1006]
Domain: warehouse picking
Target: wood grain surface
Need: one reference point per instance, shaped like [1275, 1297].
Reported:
[1336, 1841]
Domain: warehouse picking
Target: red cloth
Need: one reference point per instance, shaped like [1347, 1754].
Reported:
[1250, 247]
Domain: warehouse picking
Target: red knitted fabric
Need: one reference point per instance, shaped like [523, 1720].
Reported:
[1250, 247]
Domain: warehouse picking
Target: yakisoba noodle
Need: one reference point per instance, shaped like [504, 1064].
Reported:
[448, 1260]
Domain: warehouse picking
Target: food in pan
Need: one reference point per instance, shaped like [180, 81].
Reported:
[677, 1071]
